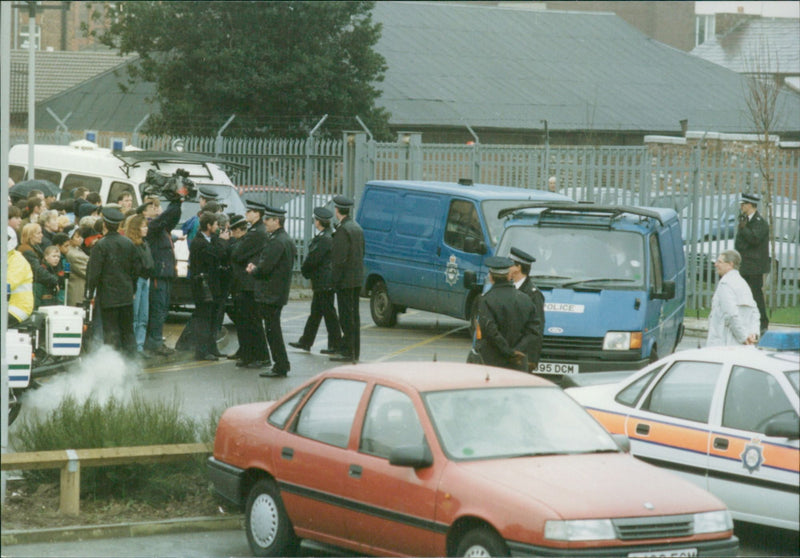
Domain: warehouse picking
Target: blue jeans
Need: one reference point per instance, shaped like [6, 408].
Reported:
[141, 307]
[160, 289]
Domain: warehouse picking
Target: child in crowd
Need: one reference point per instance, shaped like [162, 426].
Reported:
[48, 288]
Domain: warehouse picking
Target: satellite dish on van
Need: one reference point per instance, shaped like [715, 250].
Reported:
[83, 144]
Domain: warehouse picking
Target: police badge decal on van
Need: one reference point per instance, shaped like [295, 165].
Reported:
[451, 271]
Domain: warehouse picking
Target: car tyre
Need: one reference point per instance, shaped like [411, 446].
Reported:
[269, 531]
[482, 542]
[384, 314]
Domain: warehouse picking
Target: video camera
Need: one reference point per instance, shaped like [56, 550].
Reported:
[175, 187]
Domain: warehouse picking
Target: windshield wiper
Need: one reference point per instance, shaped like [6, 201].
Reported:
[535, 454]
[549, 277]
[598, 280]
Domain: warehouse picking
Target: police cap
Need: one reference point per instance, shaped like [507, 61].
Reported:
[323, 213]
[238, 221]
[273, 211]
[208, 193]
[256, 206]
[343, 202]
[752, 199]
[520, 256]
[499, 264]
[112, 215]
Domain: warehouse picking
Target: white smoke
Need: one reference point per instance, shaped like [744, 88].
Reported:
[100, 375]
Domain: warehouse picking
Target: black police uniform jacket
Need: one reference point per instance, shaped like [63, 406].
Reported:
[275, 268]
[317, 265]
[114, 266]
[752, 243]
[537, 298]
[159, 237]
[245, 251]
[347, 255]
[506, 321]
[205, 261]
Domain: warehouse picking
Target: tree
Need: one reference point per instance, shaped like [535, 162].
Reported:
[278, 66]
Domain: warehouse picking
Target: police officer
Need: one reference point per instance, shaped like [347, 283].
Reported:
[505, 320]
[347, 264]
[206, 255]
[253, 351]
[752, 243]
[317, 268]
[111, 275]
[275, 267]
[519, 275]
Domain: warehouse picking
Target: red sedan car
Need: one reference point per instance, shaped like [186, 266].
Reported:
[448, 459]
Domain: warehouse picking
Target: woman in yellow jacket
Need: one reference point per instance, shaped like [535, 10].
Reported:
[20, 283]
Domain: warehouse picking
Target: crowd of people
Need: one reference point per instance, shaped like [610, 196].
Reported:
[121, 260]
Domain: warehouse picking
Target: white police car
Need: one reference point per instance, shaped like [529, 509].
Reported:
[724, 417]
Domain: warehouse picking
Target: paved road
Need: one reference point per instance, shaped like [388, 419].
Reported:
[201, 387]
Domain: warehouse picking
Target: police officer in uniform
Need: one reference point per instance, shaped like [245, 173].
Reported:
[347, 263]
[253, 351]
[317, 268]
[111, 275]
[519, 275]
[752, 243]
[189, 228]
[506, 328]
[275, 268]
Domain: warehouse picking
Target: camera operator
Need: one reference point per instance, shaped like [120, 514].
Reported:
[752, 242]
[159, 237]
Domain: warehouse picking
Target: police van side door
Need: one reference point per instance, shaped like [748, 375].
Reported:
[462, 250]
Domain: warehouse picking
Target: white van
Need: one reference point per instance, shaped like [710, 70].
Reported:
[110, 173]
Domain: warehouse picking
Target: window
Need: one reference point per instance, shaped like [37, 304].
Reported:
[463, 229]
[118, 188]
[280, 415]
[52, 176]
[16, 173]
[685, 391]
[91, 183]
[328, 414]
[752, 399]
[631, 394]
[418, 216]
[656, 275]
[391, 422]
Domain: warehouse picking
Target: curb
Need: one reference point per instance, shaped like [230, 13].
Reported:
[120, 530]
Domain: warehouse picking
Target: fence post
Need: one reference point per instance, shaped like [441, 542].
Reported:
[354, 163]
[413, 143]
[71, 485]
[218, 143]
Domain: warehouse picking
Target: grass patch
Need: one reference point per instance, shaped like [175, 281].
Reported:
[135, 422]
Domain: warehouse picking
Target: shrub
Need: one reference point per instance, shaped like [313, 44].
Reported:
[137, 422]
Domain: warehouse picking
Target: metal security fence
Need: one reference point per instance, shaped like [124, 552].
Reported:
[701, 180]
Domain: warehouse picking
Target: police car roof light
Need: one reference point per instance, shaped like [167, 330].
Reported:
[781, 340]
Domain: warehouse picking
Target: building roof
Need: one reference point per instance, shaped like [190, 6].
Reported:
[57, 71]
[772, 44]
[451, 65]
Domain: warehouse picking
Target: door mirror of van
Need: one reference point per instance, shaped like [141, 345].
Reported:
[470, 279]
[667, 291]
[474, 245]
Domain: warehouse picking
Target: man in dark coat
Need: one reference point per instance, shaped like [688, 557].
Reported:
[505, 320]
[752, 243]
[347, 265]
[275, 268]
[159, 237]
[519, 275]
[206, 255]
[317, 268]
[253, 351]
[113, 268]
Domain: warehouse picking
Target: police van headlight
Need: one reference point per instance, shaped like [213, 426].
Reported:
[622, 340]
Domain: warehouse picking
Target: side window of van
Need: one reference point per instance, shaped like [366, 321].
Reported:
[656, 272]
[381, 214]
[463, 226]
[52, 176]
[16, 173]
[418, 216]
[118, 188]
[91, 183]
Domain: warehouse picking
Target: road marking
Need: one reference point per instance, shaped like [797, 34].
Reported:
[184, 366]
[421, 343]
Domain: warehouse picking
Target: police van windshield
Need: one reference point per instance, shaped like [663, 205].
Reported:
[580, 258]
[490, 210]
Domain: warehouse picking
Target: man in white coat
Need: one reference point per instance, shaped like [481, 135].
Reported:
[734, 318]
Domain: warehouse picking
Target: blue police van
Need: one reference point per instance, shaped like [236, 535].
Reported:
[425, 243]
[613, 279]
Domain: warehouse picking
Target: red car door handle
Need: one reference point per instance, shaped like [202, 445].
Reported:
[721, 443]
[354, 471]
[287, 453]
[643, 429]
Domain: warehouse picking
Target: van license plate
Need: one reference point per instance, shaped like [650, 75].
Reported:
[676, 552]
[556, 368]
